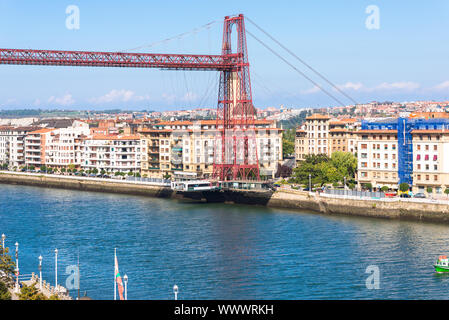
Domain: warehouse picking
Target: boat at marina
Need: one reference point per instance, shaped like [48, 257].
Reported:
[442, 264]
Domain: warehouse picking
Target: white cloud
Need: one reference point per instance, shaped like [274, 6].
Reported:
[442, 86]
[350, 86]
[65, 100]
[119, 96]
[312, 90]
[404, 85]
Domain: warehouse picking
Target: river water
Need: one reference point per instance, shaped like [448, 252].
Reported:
[218, 251]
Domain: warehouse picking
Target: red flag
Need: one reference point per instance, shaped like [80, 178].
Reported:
[118, 279]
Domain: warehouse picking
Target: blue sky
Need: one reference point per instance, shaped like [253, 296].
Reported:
[406, 59]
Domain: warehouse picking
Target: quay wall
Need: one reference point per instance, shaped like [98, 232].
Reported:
[399, 209]
[86, 184]
[287, 199]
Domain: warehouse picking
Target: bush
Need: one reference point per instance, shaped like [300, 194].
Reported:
[4, 293]
[429, 190]
[30, 293]
[368, 186]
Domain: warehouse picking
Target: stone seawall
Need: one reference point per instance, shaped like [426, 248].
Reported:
[86, 185]
[288, 199]
[407, 210]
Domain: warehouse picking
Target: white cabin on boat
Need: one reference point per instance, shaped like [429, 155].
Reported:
[193, 185]
[187, 181]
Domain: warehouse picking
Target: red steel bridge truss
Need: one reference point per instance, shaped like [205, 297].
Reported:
[235, 149]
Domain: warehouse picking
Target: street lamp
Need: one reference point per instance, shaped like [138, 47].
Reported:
[175, 291]
[125, 278]
[56, 269]
[40, 272]
[17, 288]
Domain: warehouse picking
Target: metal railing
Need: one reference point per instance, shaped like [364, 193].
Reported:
[355, 193]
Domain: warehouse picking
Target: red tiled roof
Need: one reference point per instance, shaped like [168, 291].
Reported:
[318, 116]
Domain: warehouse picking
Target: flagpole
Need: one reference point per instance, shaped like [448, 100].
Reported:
[115, 287]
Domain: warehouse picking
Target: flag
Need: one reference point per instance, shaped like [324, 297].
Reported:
[118, 280]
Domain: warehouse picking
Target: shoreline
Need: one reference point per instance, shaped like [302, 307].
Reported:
[436, 211]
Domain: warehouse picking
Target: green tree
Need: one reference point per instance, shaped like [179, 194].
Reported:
[288, 142]
[288, 148]
[30, 293]
[429, 190]
[404, 187]
[326, 170]
[345, 163]
[7, 266]
[4, 293]
[384, 189]
[446, 191]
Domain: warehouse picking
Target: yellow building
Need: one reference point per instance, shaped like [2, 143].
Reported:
[189, 146]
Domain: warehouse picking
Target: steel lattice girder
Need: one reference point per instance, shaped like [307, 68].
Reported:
[119, 59]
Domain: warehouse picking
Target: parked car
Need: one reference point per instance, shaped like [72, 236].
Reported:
[419, 195]
[405, 195]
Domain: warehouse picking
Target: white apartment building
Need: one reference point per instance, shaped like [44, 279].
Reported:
[430, 160]
[12, 145]
[378, 158]
[112, 153]
[62, 146]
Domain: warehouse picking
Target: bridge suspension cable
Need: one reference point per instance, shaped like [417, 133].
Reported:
[294, 68]
[179, 36]
[302, 61]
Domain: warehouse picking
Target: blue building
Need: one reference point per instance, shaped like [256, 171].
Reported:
[404, 128]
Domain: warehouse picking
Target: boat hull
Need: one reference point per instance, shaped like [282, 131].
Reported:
[441, 269]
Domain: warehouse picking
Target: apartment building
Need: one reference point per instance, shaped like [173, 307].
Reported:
[317, 134]
[34, 146]
[420, 158]
[301, 145]
[430, 160]
[189, 146]
[111, 153]
[342, 136]
[12, 145]
[62, 147]
[378, 158]
[321, 135]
